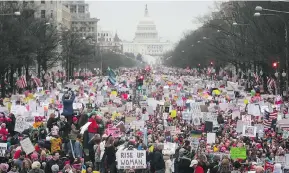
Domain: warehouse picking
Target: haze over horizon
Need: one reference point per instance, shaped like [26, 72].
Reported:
[172, 18]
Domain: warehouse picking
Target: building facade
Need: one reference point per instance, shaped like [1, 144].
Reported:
[81, 21]
[52, 11]
[146, 40]
[108, 41]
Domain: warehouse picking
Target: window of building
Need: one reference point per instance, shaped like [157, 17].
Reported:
[51, 14]
[32, 1]
[42, 2]
[81, 9]
[73, 9]
[109, 39]
[92, 29]
[98, 34]
[106, 34]
[42, 13]
[51, 2]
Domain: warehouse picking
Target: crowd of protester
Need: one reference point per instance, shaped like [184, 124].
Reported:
[61, 146]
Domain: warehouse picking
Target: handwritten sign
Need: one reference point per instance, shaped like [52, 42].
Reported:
[131, 159]
[27, 146]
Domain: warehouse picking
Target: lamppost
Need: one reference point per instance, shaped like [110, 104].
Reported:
[286, 85]
[258, 14]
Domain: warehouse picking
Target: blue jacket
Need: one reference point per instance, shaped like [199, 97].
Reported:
[77, 149]
[68, 105]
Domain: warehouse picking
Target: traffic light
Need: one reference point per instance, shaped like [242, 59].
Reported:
[275, 64]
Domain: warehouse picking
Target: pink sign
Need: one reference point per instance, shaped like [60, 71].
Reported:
[114, 132]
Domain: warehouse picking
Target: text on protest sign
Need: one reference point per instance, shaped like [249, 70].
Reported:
[132, 159]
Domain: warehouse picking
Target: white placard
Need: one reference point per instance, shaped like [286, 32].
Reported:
[211, 138]
[131, 159]
[246, 119]
[249, 131]
[27, 146]
[3, 149]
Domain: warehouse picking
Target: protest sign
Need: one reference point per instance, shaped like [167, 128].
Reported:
[20, 124]
[3, 149]
[131, 159]
[249, 131]
[27, 146]
[238, 153]
[114, 132]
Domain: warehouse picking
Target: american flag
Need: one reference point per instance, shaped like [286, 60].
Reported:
[37, 81]
[271, 83]
[21, 82]
[268, 119]
[76, 74]
[257, 78]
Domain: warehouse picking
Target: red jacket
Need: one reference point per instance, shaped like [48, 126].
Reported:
[199, 169]
[3, 133]
[93, 127]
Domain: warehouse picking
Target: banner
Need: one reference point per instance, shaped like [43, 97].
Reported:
[131, 159]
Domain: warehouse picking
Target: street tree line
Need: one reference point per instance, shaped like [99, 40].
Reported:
[30, 45]
[232, 34]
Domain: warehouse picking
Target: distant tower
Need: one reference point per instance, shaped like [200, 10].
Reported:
[146, 11]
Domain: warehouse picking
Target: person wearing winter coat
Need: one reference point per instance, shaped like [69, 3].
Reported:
[196, 166]
[168, 163]
[278, 168]
[36, 168]
[158, 161]
[68, 99]
[92, 128]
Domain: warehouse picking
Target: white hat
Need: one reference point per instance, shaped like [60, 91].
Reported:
[193, 162]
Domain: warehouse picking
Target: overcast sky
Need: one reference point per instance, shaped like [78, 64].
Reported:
[172, 18]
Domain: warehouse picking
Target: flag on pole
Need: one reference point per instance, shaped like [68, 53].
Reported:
[111, 73]
[37, 81]
[112, 76]
[21, 82]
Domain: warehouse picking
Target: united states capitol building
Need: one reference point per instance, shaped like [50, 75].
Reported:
[146, 40]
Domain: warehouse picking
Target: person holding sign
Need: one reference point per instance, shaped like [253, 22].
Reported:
[68, 99]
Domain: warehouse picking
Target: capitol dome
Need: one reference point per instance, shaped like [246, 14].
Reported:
[146, 20]
[146, 29]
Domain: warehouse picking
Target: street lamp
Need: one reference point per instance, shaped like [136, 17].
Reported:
[276, 74]
[183, 51]
[199, 41]
[235, 23]
[258, 8]
[284, 74]
[257, 14]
